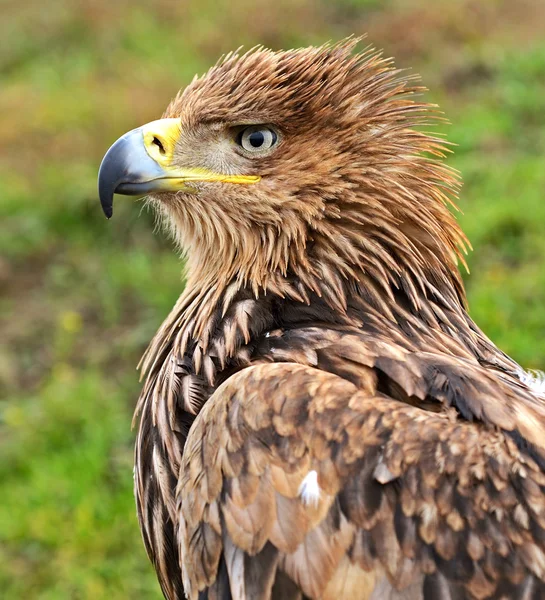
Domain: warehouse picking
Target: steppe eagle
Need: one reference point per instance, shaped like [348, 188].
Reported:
[321, 418]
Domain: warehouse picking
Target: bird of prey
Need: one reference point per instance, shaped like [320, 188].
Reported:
[321, 418]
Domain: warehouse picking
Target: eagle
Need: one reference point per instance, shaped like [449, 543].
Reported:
[321, 418]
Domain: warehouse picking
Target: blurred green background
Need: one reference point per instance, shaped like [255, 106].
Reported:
[80, 297]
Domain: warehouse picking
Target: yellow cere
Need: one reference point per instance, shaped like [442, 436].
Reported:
[160, 138]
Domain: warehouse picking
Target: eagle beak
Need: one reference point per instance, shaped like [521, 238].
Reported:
[141, 162]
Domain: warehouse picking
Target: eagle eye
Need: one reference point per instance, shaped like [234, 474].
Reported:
[257, 138]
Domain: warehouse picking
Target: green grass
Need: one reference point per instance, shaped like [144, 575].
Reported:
[80, 297]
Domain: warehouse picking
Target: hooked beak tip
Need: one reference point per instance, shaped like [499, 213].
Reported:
[106, 195]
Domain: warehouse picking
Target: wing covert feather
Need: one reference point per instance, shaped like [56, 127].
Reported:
[421, 503]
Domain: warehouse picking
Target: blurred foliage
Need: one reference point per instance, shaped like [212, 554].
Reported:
[80, 297]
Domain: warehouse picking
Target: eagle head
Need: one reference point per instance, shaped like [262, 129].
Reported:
[308, 161]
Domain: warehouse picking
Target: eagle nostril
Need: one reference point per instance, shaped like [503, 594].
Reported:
[159, 144]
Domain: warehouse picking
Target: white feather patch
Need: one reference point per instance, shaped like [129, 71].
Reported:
[535, 380]
[309, 490]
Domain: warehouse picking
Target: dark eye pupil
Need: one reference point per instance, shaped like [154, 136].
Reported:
[256, 139]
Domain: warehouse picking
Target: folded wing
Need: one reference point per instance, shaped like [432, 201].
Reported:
[294, 483]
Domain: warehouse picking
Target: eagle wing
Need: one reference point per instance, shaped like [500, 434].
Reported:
[294, 480]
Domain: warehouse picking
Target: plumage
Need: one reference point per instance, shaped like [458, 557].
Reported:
[321, 418]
